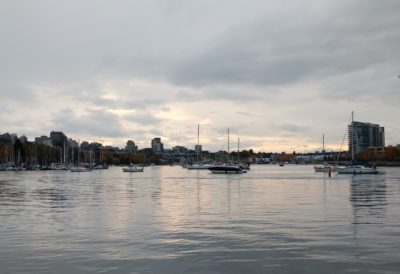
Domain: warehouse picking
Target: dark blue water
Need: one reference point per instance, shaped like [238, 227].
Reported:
[171, 220]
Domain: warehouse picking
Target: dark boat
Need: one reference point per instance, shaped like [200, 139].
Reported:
[227, 169]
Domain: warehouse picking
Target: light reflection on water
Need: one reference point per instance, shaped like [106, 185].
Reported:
[170, 220]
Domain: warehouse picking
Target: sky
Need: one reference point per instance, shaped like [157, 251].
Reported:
[278, 74]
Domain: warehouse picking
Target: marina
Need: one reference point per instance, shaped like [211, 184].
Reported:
[167, 219]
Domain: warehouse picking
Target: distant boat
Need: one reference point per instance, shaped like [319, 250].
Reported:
[133, 168]
[80, 169]
[227, 169]
[58, 166]
[357, 169]
[324, 168]
[199, 166]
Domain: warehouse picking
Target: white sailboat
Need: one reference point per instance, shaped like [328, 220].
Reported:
[323, 167]
[79, 168]
[133, 168]
[355, 169]
[199, 164]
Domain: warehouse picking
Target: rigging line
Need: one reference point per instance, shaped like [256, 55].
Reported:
[345, 133]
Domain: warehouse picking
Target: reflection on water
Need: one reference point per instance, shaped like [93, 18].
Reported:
[171, 220]
[368, 198]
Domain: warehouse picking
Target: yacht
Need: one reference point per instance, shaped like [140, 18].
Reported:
[58, 166]
[80, 169]
[133, 168]
[324, 168]
[227, 169]
[199, 166]
[357, 169]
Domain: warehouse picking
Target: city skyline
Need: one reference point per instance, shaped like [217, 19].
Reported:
[279, 75]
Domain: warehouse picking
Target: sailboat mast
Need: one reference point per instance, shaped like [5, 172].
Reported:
[352, 136]
[228, 144]
[238, 148]
[198, 134]
[323, 143]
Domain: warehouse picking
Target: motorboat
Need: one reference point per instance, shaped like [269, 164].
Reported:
[133, 168]
[199, 166]
[356, 169]
[59, 166]
[227, 169]
[323, 168]
[80, 169]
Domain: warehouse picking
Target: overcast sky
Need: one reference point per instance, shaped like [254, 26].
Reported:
[279, 74]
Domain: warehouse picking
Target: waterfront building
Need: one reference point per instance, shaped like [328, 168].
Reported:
[131, 147]
[5, 138]
[365, 135]
[58, 139]
[72, 143]
[179, 151]
[23, 139]
[157, 147]
[85, 145]
[43, 140]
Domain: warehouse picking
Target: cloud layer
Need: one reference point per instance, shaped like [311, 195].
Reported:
[278, 74]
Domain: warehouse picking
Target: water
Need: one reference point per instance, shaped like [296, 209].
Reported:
[171, 220]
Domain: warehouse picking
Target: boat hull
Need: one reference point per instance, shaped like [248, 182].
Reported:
[357, 170]
[226, 170]
[135, 169]
[80, 169]
[194, 166]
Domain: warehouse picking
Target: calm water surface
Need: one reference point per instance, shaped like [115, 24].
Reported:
[171, 220]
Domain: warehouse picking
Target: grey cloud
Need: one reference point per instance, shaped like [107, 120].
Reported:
[267, 53]
[94, 122]
[293, 128]
[245, 114]
[145, 119]
[15, 92]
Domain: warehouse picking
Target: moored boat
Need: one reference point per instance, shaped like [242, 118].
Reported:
[227, 169]
[357, 169]
[323, 168]
[199, 166]
[80, 169]
[133, 168]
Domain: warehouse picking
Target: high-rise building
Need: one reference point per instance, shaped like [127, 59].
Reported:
[58, 139]
[131, 147]
[365, 135]
[44, 140]
[156, 146]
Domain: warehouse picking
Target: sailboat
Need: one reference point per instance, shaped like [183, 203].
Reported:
[80, 168]
[355, 169]
[227, 168]
[133, 168]
[324, 167]
[199, 164]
